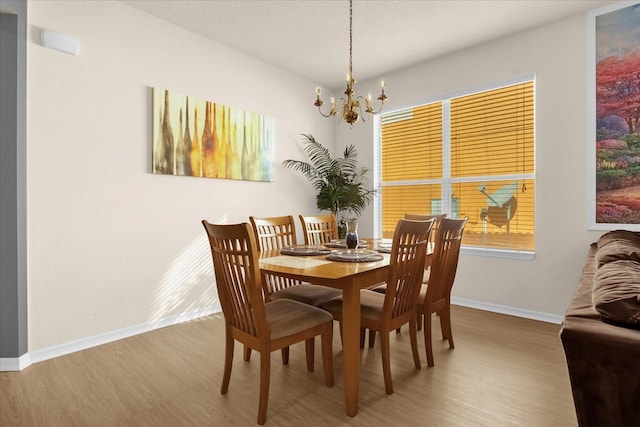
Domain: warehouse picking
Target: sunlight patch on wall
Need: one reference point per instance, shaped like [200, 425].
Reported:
[187, 289]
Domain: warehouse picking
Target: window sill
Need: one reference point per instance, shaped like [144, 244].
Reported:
[498, 253]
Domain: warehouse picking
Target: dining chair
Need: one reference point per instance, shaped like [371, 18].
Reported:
[425, 275]
[435, 296]
[275, 233]
[319, 229]
[263, 326]
[424, 217]
[386, 312]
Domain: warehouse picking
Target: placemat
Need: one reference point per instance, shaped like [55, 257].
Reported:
[383, 249]
[356, 256]
[341, 243]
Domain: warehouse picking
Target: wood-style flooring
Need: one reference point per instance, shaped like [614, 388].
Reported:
[504, 371]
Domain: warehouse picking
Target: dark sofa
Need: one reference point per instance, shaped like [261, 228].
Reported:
[601, 334]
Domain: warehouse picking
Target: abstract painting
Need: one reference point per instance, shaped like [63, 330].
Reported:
[614, 120]
[196, 137]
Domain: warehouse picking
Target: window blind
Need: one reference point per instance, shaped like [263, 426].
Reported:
[478, 153]
[411, 155]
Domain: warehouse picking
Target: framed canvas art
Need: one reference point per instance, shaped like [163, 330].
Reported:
[614, 117]
[196, 137]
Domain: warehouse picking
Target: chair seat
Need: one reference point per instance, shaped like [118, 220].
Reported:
[370, 304]
[314, 295]
[287, 317]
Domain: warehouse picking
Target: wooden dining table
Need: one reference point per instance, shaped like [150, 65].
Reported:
[350, 277]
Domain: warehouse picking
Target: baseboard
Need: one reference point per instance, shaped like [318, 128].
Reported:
[15, 363]
[96, 340]
[512, 311]
[22, 362]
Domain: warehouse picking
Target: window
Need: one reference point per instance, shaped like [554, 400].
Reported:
[469, 155]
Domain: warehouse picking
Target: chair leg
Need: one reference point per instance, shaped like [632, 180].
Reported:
[246, 355]
[265, 371]
[427, 338]
[228, 362]
[413, 335]
[327, 355]
[372, 338]
[398, 330]
[285, 355]
[363, 332]
[445, 324]
[443, 327]
[386, 362]
[309, 346]
[419, 318]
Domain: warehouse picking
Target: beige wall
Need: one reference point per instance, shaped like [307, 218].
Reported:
[556, 54]
[110, 244]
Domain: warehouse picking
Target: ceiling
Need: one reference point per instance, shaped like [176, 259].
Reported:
[311, 37]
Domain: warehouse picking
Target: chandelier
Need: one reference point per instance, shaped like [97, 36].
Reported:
[351, 106]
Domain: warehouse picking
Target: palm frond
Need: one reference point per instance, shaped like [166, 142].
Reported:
[340, 182]
[305, 168]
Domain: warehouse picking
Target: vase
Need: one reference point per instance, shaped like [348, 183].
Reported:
[351, 238]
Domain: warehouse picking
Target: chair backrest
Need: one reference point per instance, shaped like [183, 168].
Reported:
[235, 262]
[406, 267]
[272, 234]
[275, 232]
[319, 229]
[425, 217]
[445, 261]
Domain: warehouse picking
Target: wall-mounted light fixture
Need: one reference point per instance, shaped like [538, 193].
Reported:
[58, 41]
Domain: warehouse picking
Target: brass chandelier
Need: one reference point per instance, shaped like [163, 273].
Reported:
[351, 106]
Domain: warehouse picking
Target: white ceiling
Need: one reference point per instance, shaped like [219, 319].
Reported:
[311, 37]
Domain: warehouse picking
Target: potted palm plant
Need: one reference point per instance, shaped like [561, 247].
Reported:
[340, 182]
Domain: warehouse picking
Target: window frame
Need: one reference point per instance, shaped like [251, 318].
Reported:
[447, 181]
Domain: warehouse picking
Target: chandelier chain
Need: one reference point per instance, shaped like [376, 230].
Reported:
[351, 38]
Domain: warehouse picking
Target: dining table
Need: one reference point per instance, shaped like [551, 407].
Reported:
[350, 278]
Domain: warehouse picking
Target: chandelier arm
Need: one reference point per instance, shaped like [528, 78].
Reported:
[323, 114]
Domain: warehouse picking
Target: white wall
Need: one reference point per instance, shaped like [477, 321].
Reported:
[556, 53]
[110, 244]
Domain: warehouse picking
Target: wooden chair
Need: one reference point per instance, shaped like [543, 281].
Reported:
[424, 217]
[435, 297]
[276, 233]
[386, 312]
[319, 229]
[425, 276]
[264, 327]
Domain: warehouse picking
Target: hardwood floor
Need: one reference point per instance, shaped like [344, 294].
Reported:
[504, 371]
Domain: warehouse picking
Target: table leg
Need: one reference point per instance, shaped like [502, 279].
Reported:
[350, 345]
